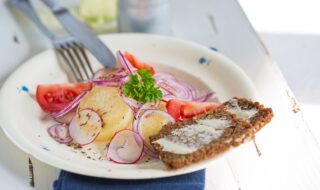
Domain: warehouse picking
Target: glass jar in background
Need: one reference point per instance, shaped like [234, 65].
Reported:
[100, 15]
[149, 16]
[47, 18]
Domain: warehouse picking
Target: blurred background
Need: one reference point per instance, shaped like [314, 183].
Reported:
[290, 31]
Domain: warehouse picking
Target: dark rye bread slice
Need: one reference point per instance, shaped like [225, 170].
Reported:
[239, 131]
[258, 120]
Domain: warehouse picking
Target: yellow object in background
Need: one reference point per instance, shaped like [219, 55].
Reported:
[99, 14]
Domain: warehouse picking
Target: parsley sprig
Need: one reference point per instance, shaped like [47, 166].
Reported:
[141, 87]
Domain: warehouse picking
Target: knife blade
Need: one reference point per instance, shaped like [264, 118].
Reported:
[82, 33]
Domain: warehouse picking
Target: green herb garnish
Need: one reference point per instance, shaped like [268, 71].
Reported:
[141, 87]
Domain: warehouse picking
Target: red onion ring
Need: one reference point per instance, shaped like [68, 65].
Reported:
[60, 133]
[124, 79]
[143, 108]
[134, 105]
[174, 89]
[205, 97]
[165, 89]
[107, 73]
[105, 83]
[180, 90]
[160, 75]
[65, 119]
[168, 97]
[135, 123]
[114, 79]
[69, 107]
[52, 130]
[124, 62]
[111, 78]
[190, 89]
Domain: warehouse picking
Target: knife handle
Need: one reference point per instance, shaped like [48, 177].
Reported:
[55, 6]
[26, 7]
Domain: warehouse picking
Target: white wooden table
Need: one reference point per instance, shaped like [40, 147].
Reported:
[290, 153]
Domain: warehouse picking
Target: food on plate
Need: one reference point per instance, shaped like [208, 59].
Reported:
[126, 147]
[131, 110]
[54, 97]
[141, 87]
[115, 113]
[137, 63]
[85, 126]
[60, 133]
[252, 112]
[150, 123]
[210, 134]
[182, 109]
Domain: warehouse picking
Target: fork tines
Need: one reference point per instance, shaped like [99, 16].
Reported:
[75, 57]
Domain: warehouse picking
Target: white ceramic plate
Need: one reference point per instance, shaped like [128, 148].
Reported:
[23, 121]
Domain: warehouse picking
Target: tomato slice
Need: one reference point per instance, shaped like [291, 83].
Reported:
[55, 97]
[192, 109]
[181, 109]
[174, 108]
[137, 63]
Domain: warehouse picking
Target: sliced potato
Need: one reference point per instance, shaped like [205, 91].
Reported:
[162, 106]
[115, 114]
[151, 125]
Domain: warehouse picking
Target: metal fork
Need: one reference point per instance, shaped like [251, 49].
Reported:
[71, 51]
[75, 57]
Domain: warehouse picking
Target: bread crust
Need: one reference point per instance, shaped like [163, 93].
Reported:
[259, 120]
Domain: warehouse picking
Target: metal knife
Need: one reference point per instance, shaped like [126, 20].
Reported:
[82, 33]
